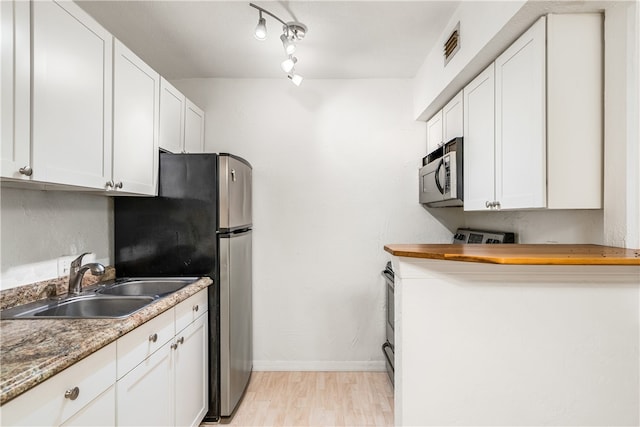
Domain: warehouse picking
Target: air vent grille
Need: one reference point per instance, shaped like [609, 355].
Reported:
[452, 45]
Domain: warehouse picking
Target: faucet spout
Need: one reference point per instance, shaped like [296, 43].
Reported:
[77, 271]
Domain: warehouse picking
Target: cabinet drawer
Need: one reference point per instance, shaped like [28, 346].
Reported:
[46, 404]
[140, 343]
[190, 309]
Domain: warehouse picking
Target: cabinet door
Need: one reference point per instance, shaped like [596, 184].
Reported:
[101, 411]
[193, 128]
[72, 96]
[520, 122]
[172, 108]
[452, 118]
[15, 99]
[145, 396]
[479, 142]
[136, 91]
[434, 132]
[191, 361]
[47, 404]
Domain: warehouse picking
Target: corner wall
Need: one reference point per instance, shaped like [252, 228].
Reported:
[334, 166]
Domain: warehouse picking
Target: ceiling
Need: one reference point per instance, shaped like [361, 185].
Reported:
[345, 39]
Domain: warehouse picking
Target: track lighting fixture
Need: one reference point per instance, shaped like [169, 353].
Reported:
[291, 33]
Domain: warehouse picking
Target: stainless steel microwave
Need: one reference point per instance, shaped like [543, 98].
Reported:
[441, 176]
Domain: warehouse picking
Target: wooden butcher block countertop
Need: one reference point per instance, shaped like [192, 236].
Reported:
[540, 254]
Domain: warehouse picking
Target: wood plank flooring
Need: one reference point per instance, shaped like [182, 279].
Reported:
[316, 399]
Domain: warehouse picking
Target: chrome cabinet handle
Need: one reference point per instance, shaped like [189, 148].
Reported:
[496, 205]
[153, 337]
[181, 340]
[487, 204]
[174, 346]
[27, 171]
[72, 393]
[195, 308]
[109, 184]
[118, 184]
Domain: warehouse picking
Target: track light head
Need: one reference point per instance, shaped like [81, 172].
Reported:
[296, 79]
[288, 64]
[261, 29]
[288, 44]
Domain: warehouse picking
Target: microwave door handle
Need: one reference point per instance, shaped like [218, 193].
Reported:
[437, 175]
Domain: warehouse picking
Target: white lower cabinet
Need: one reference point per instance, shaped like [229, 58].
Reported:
[168, 385]
[80, 395]
[152, 376]
[98, 412]
[145, 395]
[191, 374]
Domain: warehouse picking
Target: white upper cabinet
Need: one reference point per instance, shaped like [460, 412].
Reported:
[543, 147]
[181, 122]
[452, 119]
[479, 140]
[172, 109]
[72, 96]
[15, 101]
[520, 137]
[574, 111]
[434, 132]
[136, 102]
[193, 128]
[446, 124]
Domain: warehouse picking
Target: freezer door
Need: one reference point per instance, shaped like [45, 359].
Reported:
[234, 179]
[236, 330]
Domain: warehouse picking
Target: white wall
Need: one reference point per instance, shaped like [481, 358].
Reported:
[38, 227]
[335, 166]
[480, 22]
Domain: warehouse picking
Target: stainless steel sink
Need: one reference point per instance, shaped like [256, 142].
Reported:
[85, 306]
[149, 287]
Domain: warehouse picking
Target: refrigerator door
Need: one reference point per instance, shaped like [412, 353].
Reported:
[234, 180]
[236, 331]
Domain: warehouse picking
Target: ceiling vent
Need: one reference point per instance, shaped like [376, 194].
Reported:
[452, 45]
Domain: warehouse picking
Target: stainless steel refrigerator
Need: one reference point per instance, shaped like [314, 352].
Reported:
[199, 225]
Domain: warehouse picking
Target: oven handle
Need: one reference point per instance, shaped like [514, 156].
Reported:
[389, 278]
[384, 346]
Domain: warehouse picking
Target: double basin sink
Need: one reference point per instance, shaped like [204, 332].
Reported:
[117, 300]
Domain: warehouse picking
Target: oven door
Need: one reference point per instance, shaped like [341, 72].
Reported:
[390, 308]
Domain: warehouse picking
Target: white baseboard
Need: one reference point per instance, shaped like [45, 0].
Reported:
[317, 365]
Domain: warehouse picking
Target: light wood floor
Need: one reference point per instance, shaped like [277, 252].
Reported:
[316, 399]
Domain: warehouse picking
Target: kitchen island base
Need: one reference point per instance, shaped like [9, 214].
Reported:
[490, 344]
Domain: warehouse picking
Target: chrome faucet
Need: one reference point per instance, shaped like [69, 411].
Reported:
[77, 270]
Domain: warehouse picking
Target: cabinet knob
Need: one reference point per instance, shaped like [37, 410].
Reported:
[118, 184]
[27, 171]
[488, 204]
[109, 184]
[153, 337]
[174, 346]
[496, 205]
[181, 340]
[196, 308]
[72, 393]
[233, 175]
